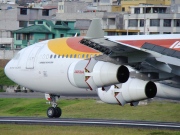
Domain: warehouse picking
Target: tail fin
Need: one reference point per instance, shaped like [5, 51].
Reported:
[95, 29]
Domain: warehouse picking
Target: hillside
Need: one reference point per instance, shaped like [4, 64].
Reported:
[4, 80]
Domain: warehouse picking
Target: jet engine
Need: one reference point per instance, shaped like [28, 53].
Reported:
[168, 92]
[91, 74]
[132, 92]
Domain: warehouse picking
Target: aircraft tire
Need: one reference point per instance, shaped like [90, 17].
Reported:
[58, 112]
[51, 112]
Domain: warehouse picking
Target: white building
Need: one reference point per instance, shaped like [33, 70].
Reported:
[151, 19]
[175, 6]
[8, 1]
[8, 22]
[72, 7]
[13, 18]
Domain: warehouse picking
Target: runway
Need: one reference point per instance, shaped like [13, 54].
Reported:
[89, 122]
[41, 95]
[21, 95]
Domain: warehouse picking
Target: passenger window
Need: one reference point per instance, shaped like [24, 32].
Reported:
[67, 56]
[54, 56]
[71, 56]
[62, 56]
[74, 55]
[51, 56]
[58, 56]
[87, 56]
[83, 56]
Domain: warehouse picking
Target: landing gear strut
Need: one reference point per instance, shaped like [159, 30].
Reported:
[54, 111]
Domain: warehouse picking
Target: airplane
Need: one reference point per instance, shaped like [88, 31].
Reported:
[119, 69]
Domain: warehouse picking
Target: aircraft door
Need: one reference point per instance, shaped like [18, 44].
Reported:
[31, 57]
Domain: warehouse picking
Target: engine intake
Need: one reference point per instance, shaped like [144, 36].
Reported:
[150, 89]
[123, 74]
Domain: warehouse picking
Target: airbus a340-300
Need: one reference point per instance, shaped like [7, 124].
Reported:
[120, 69]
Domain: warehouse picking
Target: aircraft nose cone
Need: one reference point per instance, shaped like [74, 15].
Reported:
[7, 70]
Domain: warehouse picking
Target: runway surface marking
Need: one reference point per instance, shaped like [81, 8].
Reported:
[97, 122]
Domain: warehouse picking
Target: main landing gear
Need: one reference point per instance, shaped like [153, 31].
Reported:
[54, 111]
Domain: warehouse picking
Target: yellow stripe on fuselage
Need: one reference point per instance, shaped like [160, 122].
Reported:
[60, 47]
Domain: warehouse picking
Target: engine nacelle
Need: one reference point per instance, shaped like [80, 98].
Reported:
[91, 74]
[130, 92]
[168, 92]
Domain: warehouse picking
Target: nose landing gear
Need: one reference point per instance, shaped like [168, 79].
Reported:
[54, 111]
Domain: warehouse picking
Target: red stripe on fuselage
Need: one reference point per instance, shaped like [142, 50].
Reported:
[75, 44]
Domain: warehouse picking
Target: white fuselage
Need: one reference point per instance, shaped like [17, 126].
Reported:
[37, 68]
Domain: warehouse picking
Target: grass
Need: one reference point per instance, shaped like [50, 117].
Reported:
[89, 108]
[2, 90]
[4, 80]
[79, 130]
[156, 111]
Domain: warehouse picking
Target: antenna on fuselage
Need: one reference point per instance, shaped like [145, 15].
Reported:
[75, 35]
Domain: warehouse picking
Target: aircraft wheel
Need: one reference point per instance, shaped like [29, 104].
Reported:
[51, 112]
[58, 112]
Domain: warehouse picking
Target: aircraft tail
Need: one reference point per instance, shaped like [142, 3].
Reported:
[95, 29]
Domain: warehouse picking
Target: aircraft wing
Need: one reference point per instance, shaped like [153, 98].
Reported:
[163, 48]
[152, 55]
[161, 52]
[155, 57]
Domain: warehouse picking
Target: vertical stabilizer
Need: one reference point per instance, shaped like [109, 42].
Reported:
[95, 29]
